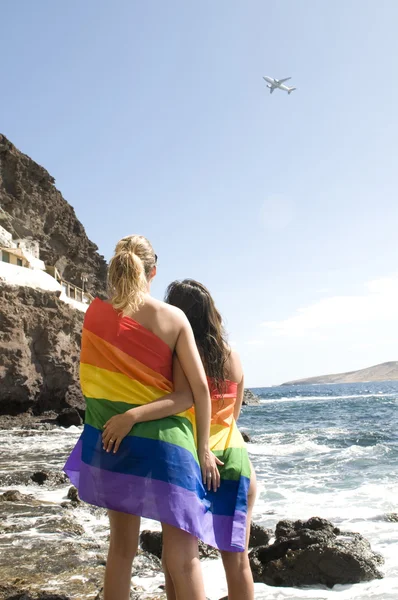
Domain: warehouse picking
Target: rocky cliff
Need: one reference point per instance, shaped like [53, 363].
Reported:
[32, 207]
[39, 355]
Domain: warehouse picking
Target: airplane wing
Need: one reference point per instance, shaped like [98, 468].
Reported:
[283, 80]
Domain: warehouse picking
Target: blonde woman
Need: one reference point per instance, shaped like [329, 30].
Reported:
[136, 457]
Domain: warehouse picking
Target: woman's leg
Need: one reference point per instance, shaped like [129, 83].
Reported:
[236, 564]
[169, 585]
[182, 566]
[123, 547]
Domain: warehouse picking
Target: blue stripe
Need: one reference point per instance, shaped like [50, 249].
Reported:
[156, 459]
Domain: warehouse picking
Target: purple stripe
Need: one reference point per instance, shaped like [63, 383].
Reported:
[156, 500]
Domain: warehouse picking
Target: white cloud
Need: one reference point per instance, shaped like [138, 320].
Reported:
[255, 342]
[377, 304]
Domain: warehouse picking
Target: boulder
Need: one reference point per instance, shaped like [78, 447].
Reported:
[13, 496]
[73, 495]
[250, 399]
[40, 477]
[152, 542]
[259, 536]
[50, 478]
[69, 417]
[314, 552]
[246, 437]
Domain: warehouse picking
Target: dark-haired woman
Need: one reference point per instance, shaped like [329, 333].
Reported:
[230, 508]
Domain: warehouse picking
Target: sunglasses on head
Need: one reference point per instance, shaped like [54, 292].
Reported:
[156, 258]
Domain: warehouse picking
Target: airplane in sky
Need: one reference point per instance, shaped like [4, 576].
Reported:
[274, 84]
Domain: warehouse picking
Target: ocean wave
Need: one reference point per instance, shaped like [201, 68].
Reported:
[356, 451]
[296, 447]
[299, 398]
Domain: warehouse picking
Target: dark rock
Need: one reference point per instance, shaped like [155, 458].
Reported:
[284, 529]
[246, 437]
[314, 552]
[73, 494]
[69, 417]
[12, 496]
[40, 596]
[259, 536]
[39, 350]
[152, 542]
[50, 478]
[206, 551]
[40, 477]
[250, 399]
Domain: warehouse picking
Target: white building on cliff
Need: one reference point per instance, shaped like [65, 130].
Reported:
[20, 264]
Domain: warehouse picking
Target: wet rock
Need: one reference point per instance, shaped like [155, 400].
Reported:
[389, 517]
[151, 541]
[246, 437]
[49, 478]
[40, 596]
[250, 399]
[13, 496]
[259, 536]
[69, 417]
[63, 525]
[40, 477]
[314, 552]
[73, 495]
[206, 551]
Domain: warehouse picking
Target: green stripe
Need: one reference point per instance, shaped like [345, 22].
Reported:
[174, 430]
[236, 463]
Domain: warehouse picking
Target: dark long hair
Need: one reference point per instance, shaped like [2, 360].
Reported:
[196, 302]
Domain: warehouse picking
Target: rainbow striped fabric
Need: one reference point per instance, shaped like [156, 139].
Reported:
[155, 473]
[227, 443]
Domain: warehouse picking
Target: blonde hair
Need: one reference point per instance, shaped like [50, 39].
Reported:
[128, 272]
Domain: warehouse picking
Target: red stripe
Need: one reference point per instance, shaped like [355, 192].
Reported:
[130, 337]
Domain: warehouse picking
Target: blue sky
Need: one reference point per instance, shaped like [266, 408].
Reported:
[153, 117]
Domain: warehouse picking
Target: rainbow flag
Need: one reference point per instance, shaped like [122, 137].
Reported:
[155, 473]
[227, 443]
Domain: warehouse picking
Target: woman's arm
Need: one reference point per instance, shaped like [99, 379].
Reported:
[239, 399]
[176, 402]
[191, 362]
[235, 372]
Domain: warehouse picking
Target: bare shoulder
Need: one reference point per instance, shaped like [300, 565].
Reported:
[166, 313]
[234, 367]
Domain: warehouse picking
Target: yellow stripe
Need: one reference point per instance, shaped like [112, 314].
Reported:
[222, 437]
[106, 385]
[190, 415]
[116, 387]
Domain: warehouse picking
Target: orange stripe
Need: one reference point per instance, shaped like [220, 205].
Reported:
[99, 353]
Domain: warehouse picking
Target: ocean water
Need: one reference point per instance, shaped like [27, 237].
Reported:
[328, 451]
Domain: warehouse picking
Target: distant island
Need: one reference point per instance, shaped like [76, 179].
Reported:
[387, 371]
